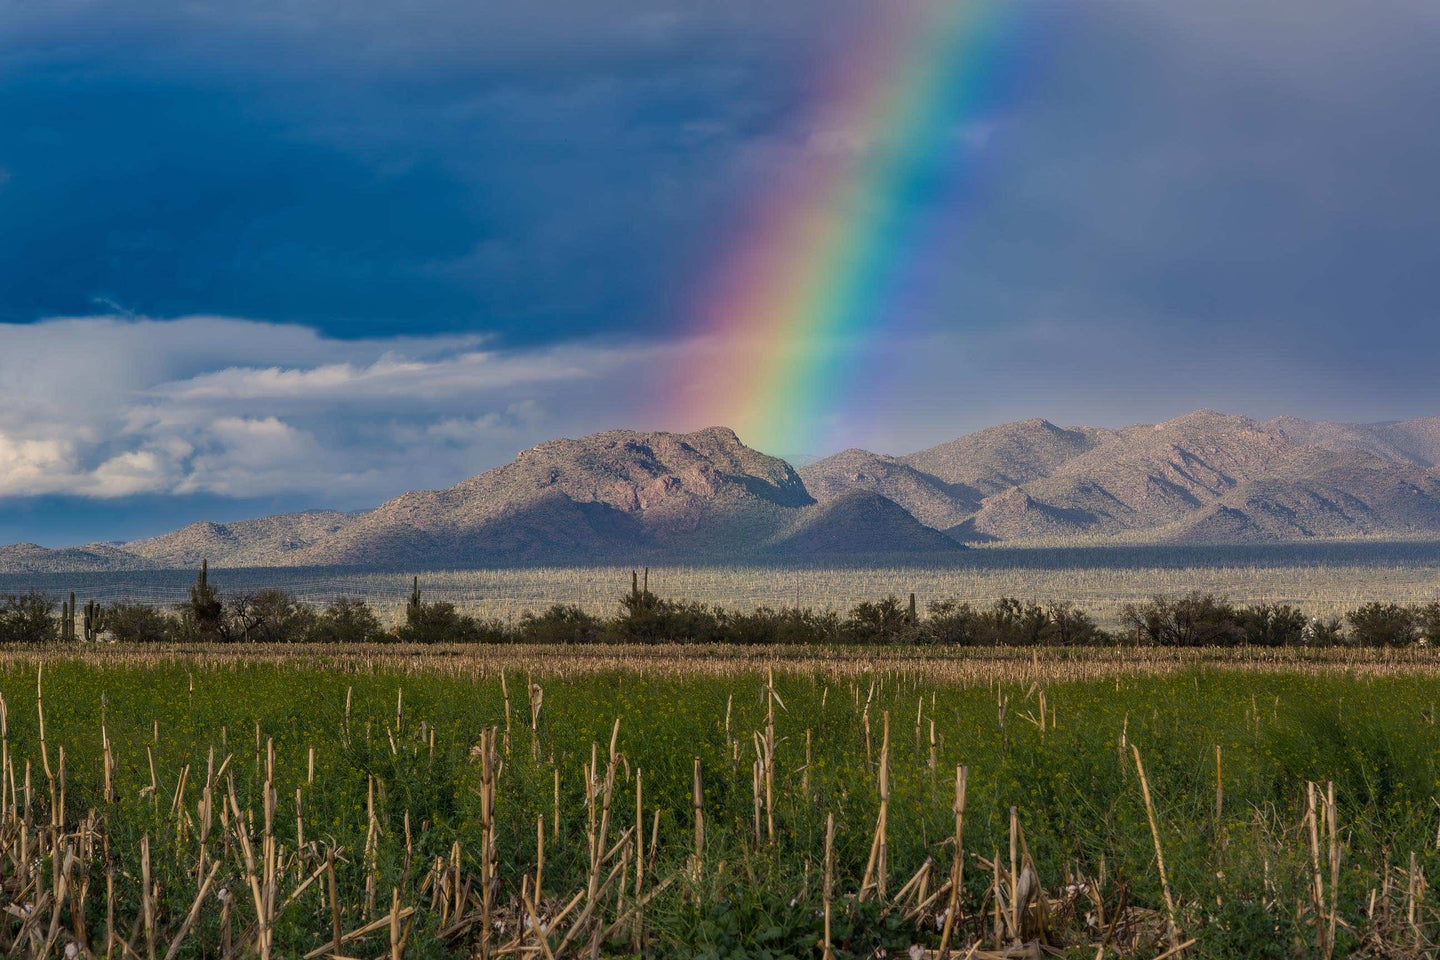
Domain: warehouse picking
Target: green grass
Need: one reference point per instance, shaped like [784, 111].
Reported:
[1241, 882]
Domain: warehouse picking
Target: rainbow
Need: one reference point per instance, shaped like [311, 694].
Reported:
[811, 281]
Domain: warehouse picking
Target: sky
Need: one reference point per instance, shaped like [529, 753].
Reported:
[278, 255]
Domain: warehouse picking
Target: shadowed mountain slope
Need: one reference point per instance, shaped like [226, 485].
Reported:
[929, 499]
[858, 524]
[33, 558]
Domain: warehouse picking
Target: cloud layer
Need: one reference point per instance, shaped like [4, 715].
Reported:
[116, 407]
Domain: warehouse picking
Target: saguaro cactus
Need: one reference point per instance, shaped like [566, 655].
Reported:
[67, 619]
[94, 621]
[205, 607]
[414, 609]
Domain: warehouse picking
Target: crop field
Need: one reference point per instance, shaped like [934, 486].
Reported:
[758, 802]
[1322, 579]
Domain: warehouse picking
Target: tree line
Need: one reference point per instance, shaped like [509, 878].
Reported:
[275, 616]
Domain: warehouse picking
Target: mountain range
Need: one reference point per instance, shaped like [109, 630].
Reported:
[626, 496]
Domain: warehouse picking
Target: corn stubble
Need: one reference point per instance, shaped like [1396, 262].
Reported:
[202, 860]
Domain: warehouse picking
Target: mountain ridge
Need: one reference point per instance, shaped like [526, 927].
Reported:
[1205, 477]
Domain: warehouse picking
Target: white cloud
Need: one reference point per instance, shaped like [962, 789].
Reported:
[26, 465]
[390, 376]
[113, 406]
[137, 471]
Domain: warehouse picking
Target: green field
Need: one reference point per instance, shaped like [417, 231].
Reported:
[1243, 878]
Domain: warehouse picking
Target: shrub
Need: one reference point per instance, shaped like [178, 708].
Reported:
[437, 622]
[1427, 622]
[766, 625]
[139, 623]
[1328, 632]
[1012, 623]
[1272, 625]
[560, 624]
[1194, 620]
[646, 618]
[347, 620]
[268, 616]
[1382, 625]
[1072, 627]
[951, 622]
[883, 621]
[28, 618]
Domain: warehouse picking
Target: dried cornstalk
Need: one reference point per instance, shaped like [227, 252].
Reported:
[1174, 931]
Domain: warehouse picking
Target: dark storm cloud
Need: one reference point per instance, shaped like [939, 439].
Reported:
[456, 166]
